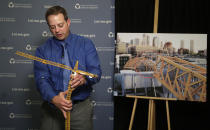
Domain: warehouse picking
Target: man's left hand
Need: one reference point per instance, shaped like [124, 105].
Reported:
[77, 80]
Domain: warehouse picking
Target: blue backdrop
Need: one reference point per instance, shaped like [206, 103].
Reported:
[23, 27]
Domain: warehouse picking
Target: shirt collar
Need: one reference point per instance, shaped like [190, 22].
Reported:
[65, 41]
[68, 39]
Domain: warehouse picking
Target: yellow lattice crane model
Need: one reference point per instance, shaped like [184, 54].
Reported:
[74, 71]
[185, 80]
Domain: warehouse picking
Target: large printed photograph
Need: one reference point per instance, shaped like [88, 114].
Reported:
[161, 65]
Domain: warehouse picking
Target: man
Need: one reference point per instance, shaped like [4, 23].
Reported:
[52, 82]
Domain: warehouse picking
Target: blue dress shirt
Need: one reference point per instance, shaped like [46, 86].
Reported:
[49, 79]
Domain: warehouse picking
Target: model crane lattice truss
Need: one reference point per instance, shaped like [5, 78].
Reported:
[74, 71]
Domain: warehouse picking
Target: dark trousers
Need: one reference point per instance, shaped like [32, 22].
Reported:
[81, 117]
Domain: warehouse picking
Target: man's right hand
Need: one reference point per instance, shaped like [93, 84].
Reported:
[60, 102]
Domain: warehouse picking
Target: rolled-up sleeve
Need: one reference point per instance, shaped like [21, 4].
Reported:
[92, 62]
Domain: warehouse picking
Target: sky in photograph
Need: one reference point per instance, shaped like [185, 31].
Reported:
[200, 40]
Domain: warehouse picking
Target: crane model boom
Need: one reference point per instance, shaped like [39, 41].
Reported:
[56, 64]
[70, 89]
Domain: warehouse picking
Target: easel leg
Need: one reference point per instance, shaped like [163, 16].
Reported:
[168, 116]
[133, 113]
[151, 115]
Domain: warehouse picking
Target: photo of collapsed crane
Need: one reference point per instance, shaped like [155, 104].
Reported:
[161, 65]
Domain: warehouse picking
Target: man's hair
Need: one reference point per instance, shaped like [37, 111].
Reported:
[56, 10]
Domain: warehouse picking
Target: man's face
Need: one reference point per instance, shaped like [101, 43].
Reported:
[59, 26]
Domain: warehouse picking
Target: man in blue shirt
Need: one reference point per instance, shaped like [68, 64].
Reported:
[52, 82]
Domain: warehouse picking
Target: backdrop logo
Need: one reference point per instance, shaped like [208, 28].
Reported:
[19, 5]
[31, 76]
[105, 48]
[76, 21]
[111, 118]
[102, 21]
[88, 35]
[112, 7]
[21, 89]
[31, 48]
[36, 20]
[13, 115]
[17, 92]
[79, 6]
[110, 34]
[47, 6]
[6, 103]
[46, 34]
[15, 61]
[20, 34]
[8, 75]
[109, 90]
[11, 5]
[6, 19]
[28, 47]
[12, 61]
[7, 48]
[29, 102]
[105, 104]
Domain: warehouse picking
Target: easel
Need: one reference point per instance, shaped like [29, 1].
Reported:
[151, 111]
